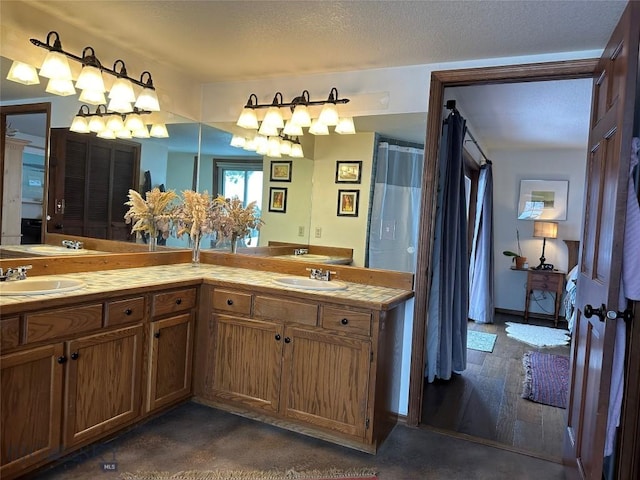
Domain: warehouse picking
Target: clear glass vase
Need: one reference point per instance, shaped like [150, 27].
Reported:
[152, 238]
[234, 242]
[195, 251]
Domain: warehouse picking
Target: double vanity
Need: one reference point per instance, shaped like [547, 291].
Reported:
[112, 346]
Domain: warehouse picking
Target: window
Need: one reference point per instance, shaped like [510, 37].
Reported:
[242, 179]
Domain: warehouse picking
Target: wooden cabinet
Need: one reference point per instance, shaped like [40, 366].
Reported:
[89, 179]
[31, 412]
[325, 380]
[171, 347]
[247, 362]
[300, 364]
[171, 352]
[102, 383]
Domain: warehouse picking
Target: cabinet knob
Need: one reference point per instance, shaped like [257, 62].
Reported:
[278, 337]
[287, 340]
[156, 335]
[344, 321]
[128, 311]
[62, 359]
[75, 355]
[229, 301]
[178, 301]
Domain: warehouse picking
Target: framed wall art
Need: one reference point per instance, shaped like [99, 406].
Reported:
[348, 172]
[281, 171]
[543, 200]
[278, 199]
[348, 203]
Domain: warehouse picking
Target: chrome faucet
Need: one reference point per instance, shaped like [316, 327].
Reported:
[320, 274]
[72, 244]
[301, 251]
[18, 273]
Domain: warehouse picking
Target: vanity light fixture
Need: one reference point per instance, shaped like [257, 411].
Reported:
[56, 68]
[300, 116]
[102, 120]
[159, 130]
[92, 97]
[318, 128]
[345, 126]
[23, 73]
[275, 146]
[79, 123]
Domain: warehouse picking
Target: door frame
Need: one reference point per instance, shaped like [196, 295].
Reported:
[562, 70]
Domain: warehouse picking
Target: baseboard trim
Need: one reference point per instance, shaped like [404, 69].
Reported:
[538, 316]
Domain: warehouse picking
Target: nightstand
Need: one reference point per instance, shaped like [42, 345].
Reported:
[545, 281]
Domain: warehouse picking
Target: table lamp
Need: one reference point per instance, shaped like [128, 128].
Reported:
[544, 230]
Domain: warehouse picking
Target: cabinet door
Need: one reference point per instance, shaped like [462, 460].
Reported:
[103, 383]
[171, 353]
[31, 407]
[325, 380]
[247, 361]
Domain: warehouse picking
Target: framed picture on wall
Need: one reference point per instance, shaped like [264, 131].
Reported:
[281, 171]
[348, 203]
[278, 199]
[543, 200]
[348, 172]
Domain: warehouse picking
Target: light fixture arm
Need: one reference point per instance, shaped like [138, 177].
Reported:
[89, 59]
[123, 69]
[86, 112]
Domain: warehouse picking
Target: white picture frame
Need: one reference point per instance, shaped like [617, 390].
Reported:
[543, 200]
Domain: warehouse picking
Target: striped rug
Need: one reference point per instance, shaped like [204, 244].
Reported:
[546, 378]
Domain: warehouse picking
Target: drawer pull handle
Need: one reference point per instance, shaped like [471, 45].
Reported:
[62, 359]
[287, 340]
[278, 337]
[344, 321]
[75, 356]
[178, 301]
[156, 335]
[128, 311]
[229, 302]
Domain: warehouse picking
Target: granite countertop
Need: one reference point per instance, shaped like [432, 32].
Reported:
[132, 280]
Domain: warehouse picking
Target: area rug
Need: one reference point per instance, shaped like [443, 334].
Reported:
[546, 378]
[538, 336]
[291, 474]
[481, 341]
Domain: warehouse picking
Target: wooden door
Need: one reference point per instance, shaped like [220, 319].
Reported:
[31, 407]
[600, 256]
[325, 380]
[247, 362]
[103, 383]
[171, 358]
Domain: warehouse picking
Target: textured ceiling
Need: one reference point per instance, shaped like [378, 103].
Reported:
[234, 40]
[214, 41]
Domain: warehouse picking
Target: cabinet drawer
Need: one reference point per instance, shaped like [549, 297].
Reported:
[9, 333]
[545, 281]
[63, 322]
[230, 301]
[124, 311]
[175, 301]
[346, 320]
[285, 310]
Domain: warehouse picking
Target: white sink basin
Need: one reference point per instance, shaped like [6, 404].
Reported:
[310, 283]
[307, 257]
[54, 250]
[39, 286]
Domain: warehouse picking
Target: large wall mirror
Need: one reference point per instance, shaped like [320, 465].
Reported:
[198, 156]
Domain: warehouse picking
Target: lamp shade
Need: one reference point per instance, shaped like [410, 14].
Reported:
[92, 97]
[292, 129]
[56, 66]
[545, 229]
[106, 133]
[96, 124]
[329, 114]
[79, 125]
[159, 130]
[318, 128]
[301, 116]
[345, 126]
[148, 100]
[248, 119]
[90, 79]
[273, 117]
[296, 151]
[60, 87]
[23, 73]
[123, 90]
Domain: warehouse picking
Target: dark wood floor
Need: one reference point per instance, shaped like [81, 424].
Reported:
[485, 400]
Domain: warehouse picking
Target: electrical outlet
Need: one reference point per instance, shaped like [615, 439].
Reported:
[318, 232]
[301, 231]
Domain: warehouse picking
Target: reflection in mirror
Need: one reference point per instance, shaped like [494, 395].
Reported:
[24, 163]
